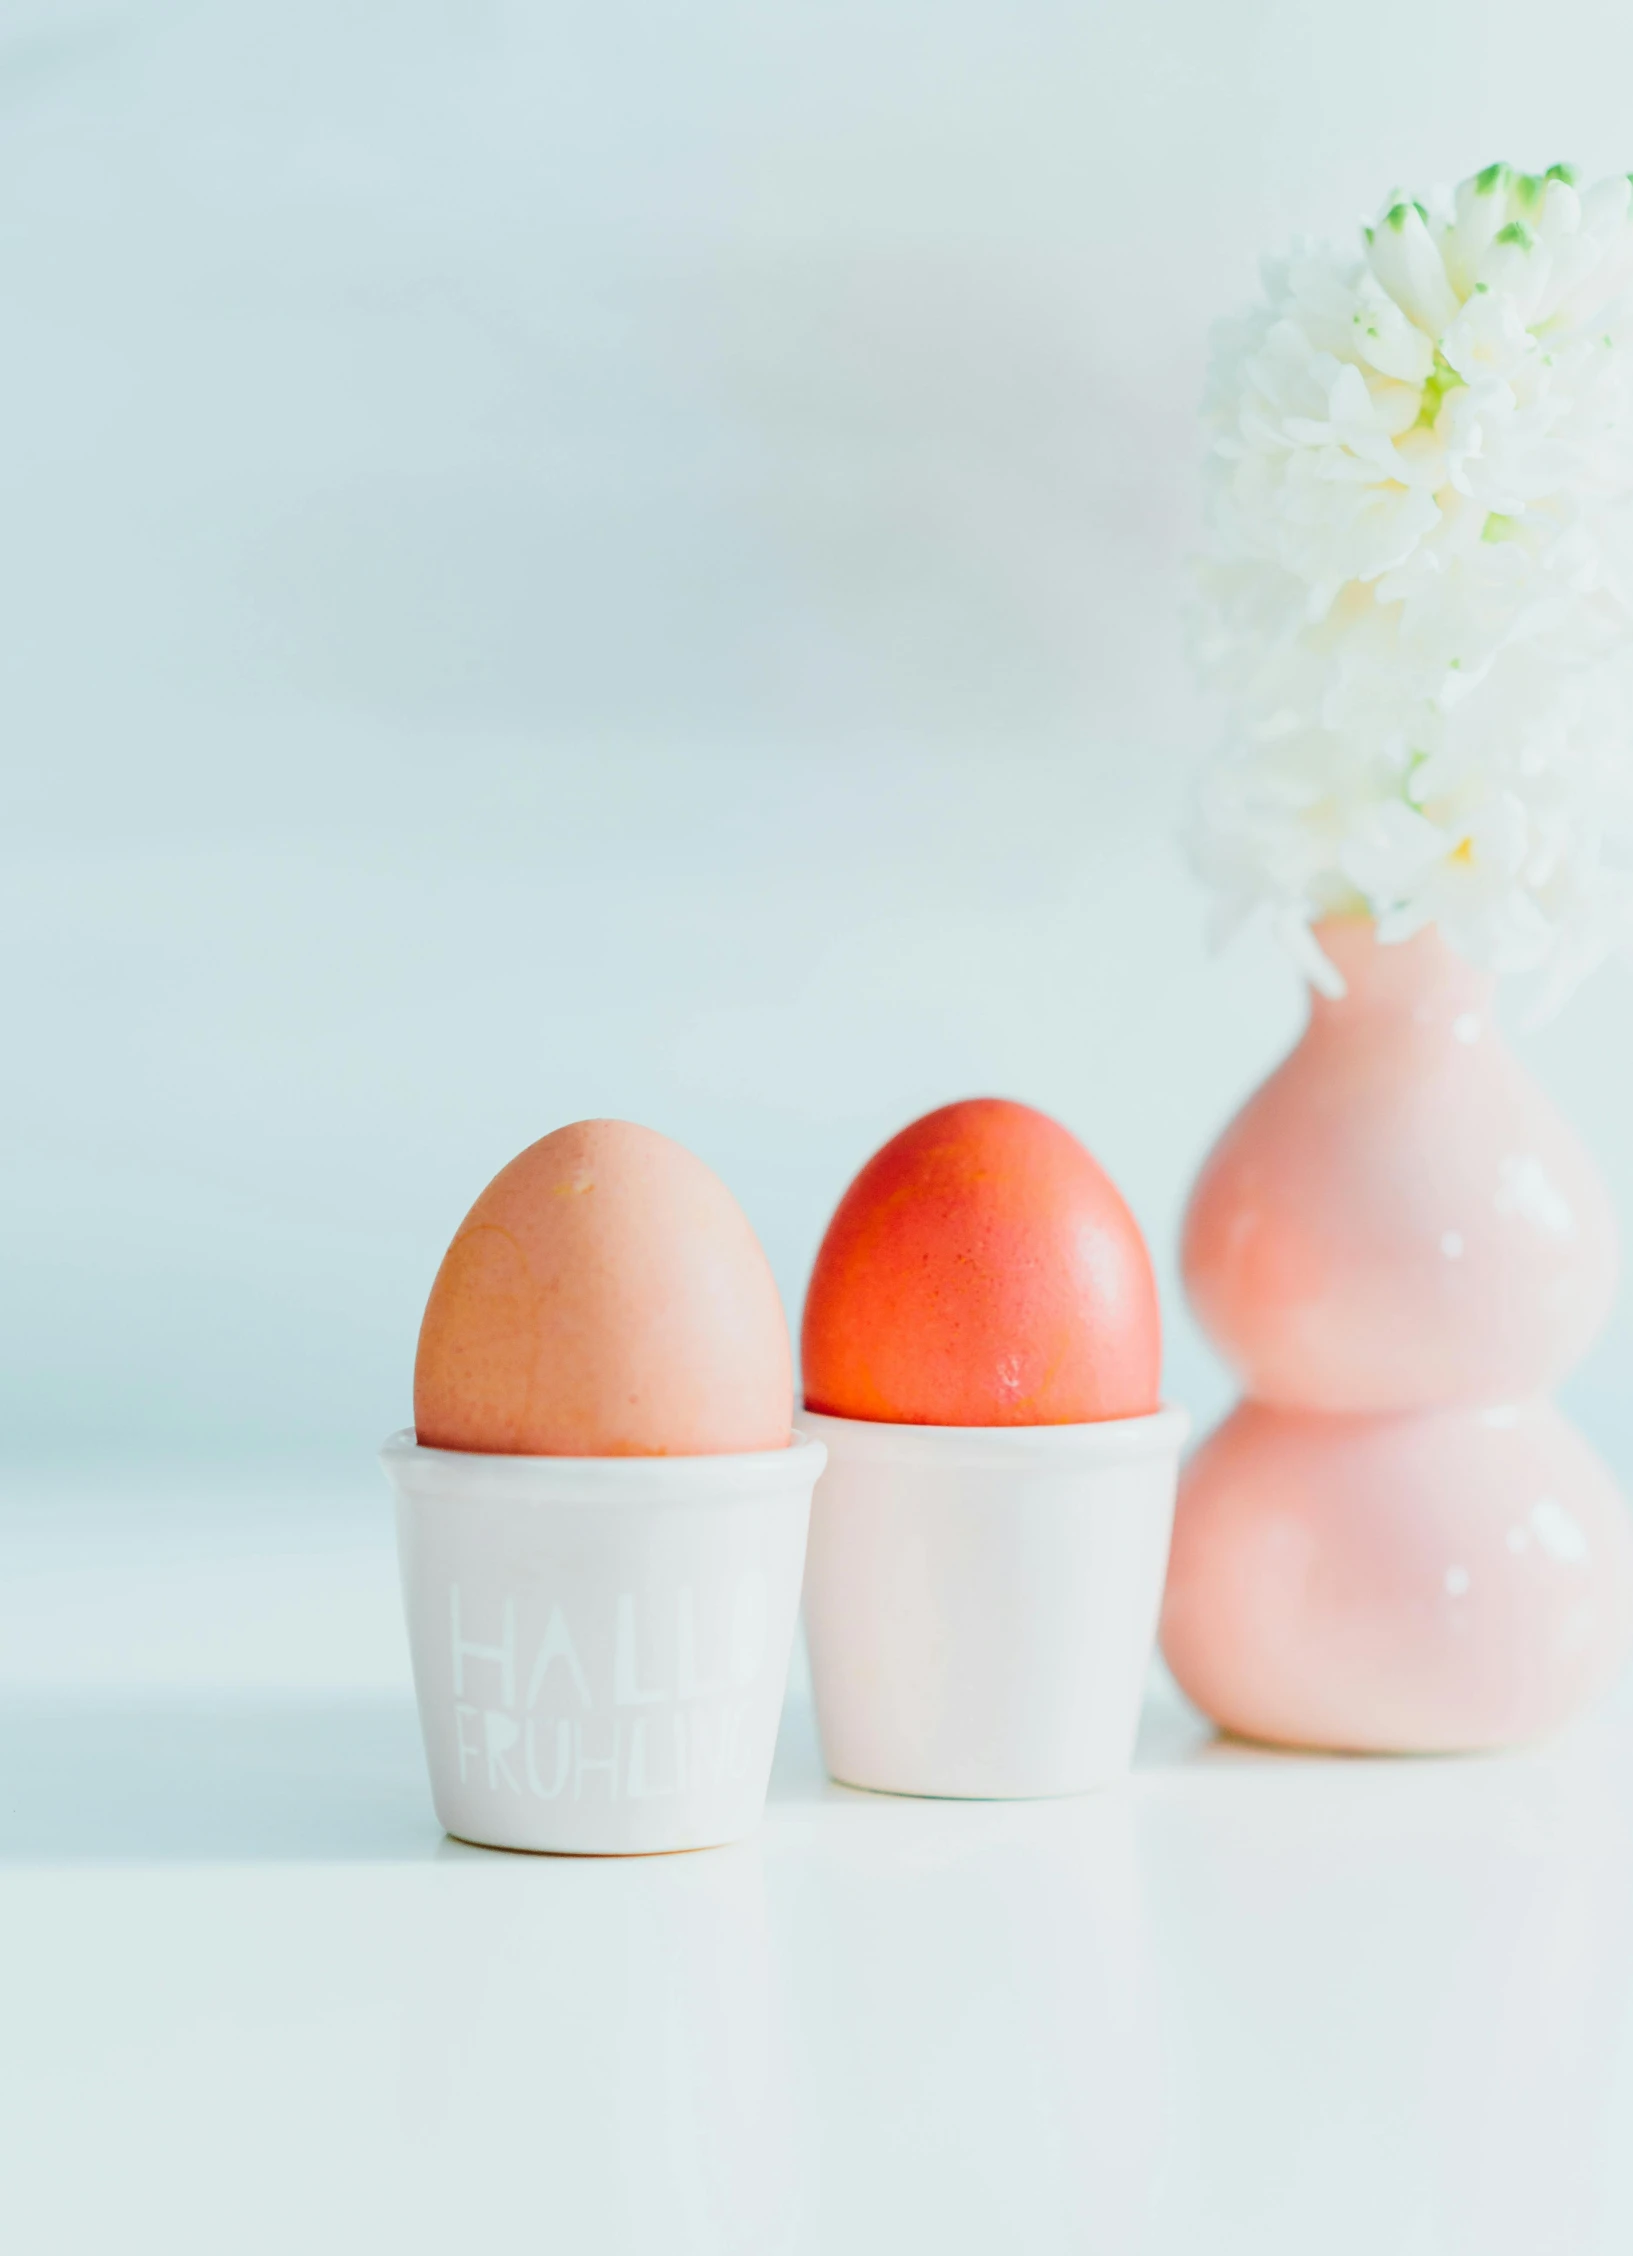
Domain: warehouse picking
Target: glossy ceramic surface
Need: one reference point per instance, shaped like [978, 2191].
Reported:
[1396, 1542]
[1400, 1216]
[1438, 1580]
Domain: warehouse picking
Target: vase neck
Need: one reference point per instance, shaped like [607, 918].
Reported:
[1422, 981]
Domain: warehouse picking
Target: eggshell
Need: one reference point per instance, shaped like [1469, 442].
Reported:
[604, 1297]
[982, 1270]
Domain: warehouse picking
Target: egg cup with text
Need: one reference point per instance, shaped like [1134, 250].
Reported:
[601, 1512]
[982, 1354]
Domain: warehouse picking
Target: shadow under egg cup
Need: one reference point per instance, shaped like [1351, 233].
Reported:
[600, 1644]
[981, 1601]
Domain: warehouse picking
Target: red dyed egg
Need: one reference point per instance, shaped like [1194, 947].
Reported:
[982, 1270]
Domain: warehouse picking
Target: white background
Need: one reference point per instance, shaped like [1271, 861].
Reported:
[560, 557]
[579, 558]
[1249, 2004]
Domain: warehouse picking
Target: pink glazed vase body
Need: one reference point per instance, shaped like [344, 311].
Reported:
[1396, 1543]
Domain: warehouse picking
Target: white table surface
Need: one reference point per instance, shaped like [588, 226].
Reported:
[252, 2000]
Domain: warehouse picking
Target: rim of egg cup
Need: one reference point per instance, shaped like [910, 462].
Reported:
[513, 1472]
[1104, 1440]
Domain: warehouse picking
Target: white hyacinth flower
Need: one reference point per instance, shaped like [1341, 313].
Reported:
[1419, 594]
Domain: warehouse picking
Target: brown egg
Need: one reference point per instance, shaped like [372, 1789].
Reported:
[605, 1297]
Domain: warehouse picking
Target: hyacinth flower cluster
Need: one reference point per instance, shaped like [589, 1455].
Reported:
[1417, 597]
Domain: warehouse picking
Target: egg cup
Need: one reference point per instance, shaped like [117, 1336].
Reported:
[981, 1601]
[600, 1644]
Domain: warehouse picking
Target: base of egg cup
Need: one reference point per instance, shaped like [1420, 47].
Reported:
[600, 1645]
[981, 1601]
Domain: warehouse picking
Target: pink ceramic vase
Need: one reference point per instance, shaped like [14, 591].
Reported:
[1396, 1542]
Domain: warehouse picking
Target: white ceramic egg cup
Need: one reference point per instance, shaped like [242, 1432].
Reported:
[600, 1644]
[981, 1601]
